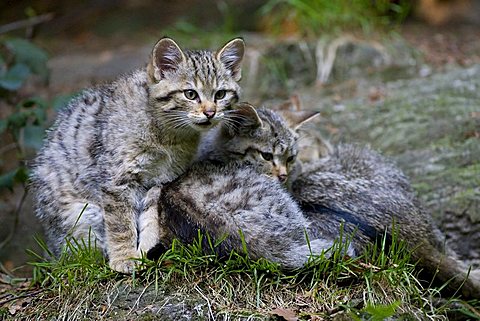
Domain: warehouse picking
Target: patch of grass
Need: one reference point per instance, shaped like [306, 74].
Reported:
[79, 284]
[315, 17]
[80, 264]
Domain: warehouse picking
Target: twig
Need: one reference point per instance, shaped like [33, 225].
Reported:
[21, 296]
[26, 23]
[8, 148]
[17, 218]
[210, 312]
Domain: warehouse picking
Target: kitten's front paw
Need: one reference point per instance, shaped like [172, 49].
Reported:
[125, 266]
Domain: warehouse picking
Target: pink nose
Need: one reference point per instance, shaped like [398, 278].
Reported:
[209, 114]
[282, 178]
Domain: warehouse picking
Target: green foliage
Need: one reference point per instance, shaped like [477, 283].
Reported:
[376, 312]
[79, 265]
[27, 54]
[316, 17]
[20, 60]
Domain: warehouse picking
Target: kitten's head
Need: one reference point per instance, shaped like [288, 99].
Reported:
[264, 138]
[312, 145]
[193, 89]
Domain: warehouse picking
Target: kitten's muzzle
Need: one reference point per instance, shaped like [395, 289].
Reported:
[209, 109]
[206, 123]
[282, 178]
[209, 113]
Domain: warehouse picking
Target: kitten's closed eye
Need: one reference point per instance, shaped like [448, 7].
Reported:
[267, 156]
[220, 94]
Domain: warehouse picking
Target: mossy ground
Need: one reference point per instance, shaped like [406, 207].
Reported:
[187, 284]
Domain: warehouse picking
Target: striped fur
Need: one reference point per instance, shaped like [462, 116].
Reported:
[260, 137]
[115, 145]
[222, 200]
[367, 194]
[354, 188]
[234, 188]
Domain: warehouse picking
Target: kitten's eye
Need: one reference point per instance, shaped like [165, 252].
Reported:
[190, 94]
[220, 94]
[267, 156]
[291, 159]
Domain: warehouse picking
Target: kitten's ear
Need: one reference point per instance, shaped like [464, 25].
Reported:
[296, 119]
[250, 115]
[244, 119]
[166, 56]
[231, 55]
[292, 104]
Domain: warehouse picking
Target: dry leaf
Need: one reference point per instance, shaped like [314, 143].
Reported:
[12, 309]
[286, 314]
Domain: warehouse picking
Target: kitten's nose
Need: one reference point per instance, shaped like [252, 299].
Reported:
[209, 113]
[282, 178]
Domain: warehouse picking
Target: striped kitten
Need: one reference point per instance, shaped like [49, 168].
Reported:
[110, 151]
[224, 200]
[366, 193]
[354, 188]
[312, 145]
[224, 193]
[261, 137]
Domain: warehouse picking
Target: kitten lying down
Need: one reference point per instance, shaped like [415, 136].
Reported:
[224, 200]
[354, 188]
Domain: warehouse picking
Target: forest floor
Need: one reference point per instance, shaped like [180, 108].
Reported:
[414, 96]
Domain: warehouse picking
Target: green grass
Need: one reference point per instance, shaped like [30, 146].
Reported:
[320, 17]
[380, 283]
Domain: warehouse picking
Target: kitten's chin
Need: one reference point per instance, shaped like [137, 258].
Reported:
[205, 125]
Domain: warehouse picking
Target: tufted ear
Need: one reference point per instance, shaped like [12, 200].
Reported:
[243, 119]
[166, 56]
[295, 119]
[231, 55]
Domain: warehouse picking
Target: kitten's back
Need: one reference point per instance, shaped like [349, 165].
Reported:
[224, 200]
[368, 195]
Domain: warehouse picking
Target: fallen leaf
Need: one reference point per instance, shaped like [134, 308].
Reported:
[286, 314]
[14, 308]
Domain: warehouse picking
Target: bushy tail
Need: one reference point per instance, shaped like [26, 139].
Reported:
[299, 255]
[449, 271]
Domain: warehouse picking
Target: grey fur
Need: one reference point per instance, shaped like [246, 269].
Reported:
[115, 145]
[224, 200]
[260, 137]
[368, 194]
[353, 186]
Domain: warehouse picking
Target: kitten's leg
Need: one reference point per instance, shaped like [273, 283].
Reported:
[121, 228]
[83, 222]
[149, 222]
[66, 217]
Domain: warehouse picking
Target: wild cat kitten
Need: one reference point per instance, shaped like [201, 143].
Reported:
[262, 137]
[225, 192]
[353, 188]
[224, 200]
[312, 145]
[366, 193]
[115, 145]
[221, 200]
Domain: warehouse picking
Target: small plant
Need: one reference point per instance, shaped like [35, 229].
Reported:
[313, 18]
[19, 60]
